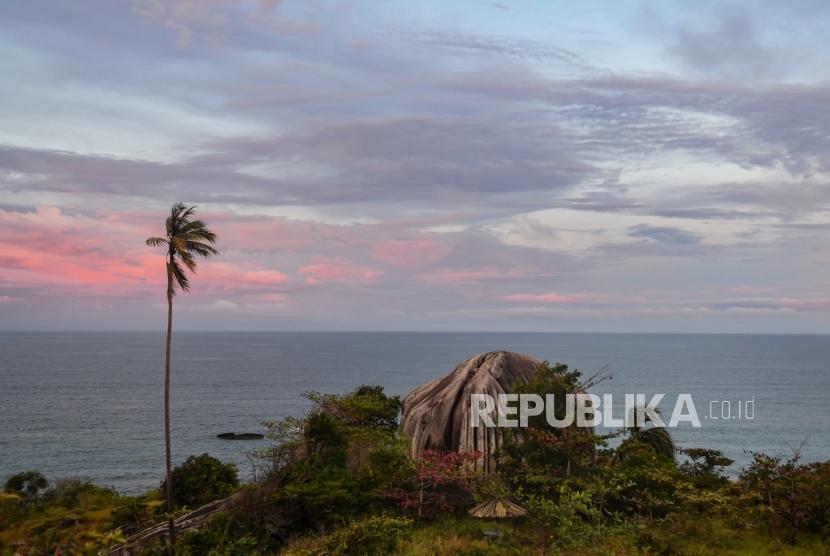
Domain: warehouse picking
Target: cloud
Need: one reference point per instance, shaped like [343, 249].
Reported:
[664, 234]
[353, 157]
[477, 44]
[592, 130]
[635, 118]
[553, 298]
[731, 41]
[412, 159]
[730, 47]
[469, 276]
[86, 264]
[771, 304]
[326, 271]
[410, 252]
[415, 158]
[187, 17]
[47, 252]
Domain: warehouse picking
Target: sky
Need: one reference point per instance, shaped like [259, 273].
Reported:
[595, 166]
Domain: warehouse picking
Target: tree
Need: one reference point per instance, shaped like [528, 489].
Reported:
[560, 452]
[656, 438]
[186, 239]
[703, 467]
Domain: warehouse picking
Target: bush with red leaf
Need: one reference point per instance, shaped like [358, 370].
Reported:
[442, 483]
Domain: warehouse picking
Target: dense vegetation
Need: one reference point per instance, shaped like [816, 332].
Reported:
[340, 481]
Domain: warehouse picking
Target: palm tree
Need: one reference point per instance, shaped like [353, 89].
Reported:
[186, 239]
[655, 438]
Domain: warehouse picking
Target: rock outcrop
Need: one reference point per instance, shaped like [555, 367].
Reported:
[436, 415]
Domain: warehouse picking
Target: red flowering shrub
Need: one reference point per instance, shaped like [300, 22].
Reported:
[441, 484]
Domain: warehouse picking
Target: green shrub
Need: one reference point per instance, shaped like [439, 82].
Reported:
[27, 484]
[136, 514]
[202, 479]
[704, 467]
[367, 407]
[73, 515]
[325, 440]
[371, 537]
[337, 464]
[201, 543]
[649, 483]
[375, 536]
[221, 536]
[71, 493]
[790, 497]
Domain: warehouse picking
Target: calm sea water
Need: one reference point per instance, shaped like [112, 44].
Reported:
[89, 404]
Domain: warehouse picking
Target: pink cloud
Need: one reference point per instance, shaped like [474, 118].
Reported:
[209, 18]
[272, 297]
[264, 277]
[240, 276]
[265, 233]
[104, 255]
[52, 251]
[336, 270]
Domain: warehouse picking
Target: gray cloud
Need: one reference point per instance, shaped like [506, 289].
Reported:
[664, 234]
[729, 47]
[766, 127]
[767, 42]
[528, 50]
[371, 160]
[775, 304]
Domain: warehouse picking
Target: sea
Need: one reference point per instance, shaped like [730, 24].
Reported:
[89, 405]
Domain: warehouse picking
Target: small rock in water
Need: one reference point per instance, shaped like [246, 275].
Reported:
[240, 436]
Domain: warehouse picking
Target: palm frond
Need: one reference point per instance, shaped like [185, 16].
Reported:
[155, 241]
[193, 225]
[188, 260]
[200, 232]
[176, 210]
[181, 213]
[206, 237]
[180, 277]
[201, 249]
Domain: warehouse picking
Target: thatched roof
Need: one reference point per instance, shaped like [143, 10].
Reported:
[497, 508]
[436, 415]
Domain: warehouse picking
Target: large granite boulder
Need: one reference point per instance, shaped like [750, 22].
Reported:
[436, 415]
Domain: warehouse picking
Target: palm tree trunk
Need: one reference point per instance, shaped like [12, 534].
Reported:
[167, 458]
